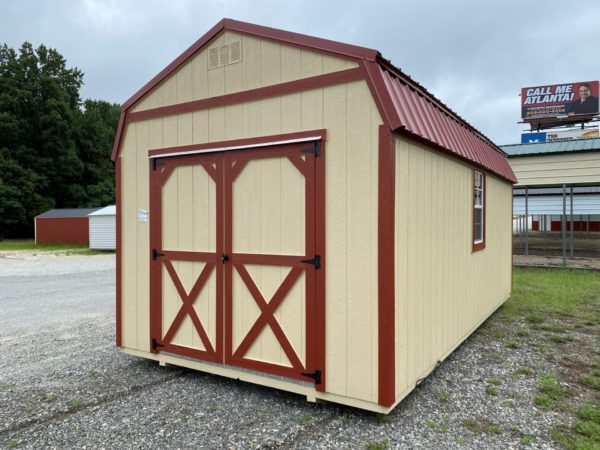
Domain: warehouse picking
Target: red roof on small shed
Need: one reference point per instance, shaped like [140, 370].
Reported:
[405, 106]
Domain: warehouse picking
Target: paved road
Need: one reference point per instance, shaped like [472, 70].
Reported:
[63, 384]
[51, 291]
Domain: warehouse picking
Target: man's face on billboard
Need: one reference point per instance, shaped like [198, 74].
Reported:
[584, 92]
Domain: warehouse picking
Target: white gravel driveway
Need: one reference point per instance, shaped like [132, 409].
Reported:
[63, 384]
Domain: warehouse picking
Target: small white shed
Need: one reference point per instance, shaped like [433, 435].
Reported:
[103, 228]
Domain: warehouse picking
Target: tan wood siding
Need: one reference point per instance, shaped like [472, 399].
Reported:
[565, 168]
[443, 289]
[264, 63]
[351, 118]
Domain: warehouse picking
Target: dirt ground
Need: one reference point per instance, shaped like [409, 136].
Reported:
[556, 261]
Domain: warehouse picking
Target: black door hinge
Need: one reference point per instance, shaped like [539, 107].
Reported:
[315, 149]
[156, 254]
[224, 258]
[316, 375]
[316, 261]
[155, 344]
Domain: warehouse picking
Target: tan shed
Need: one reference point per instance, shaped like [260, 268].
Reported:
[278, 207]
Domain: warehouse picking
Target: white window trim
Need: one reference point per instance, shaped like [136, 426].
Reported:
[481, 176]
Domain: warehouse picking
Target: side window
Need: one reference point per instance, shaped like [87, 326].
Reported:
[478, 211]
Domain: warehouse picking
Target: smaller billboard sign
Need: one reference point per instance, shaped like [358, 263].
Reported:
[563, 135]
[531, 138]
[559, 100]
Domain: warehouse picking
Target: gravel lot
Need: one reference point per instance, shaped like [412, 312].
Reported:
[63, 384]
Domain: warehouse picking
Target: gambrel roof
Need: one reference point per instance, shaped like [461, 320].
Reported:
[404, 105]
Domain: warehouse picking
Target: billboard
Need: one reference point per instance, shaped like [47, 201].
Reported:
[554, 136]
[559, 100]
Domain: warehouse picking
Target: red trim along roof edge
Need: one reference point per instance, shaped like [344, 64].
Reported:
[406, 107]
[289, 37]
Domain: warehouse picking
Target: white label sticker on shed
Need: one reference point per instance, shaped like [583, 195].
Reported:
[142, 216]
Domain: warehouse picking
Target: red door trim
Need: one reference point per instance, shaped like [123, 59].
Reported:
[160, 170]
[386, 285]
[315, 195]
[234, 164]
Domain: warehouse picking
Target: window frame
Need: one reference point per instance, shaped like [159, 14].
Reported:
[478, 244]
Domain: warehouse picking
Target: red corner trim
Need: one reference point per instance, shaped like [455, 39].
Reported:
[118, 136]
[118, 317]
[380, 94]
[386, 285]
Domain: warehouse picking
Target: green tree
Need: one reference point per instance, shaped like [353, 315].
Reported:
[96, 127]
[54, 151]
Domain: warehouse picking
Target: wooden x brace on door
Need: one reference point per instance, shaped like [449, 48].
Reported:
[267, 314]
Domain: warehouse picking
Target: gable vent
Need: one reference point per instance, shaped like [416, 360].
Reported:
[224, 55]
[213, 57]
[236, 52]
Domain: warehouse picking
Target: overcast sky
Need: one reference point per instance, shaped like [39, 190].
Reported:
[474, 55]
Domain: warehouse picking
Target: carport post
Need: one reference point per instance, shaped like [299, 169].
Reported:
[526, 223]
[563, 226]
[545, 232]
[587, 228]
[572, 222]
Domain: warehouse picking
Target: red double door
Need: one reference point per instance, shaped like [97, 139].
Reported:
[235, 264]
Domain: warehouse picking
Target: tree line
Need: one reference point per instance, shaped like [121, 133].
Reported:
[54, 147]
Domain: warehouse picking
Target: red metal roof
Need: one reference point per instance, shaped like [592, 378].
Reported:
[409, 109]
[404, 105]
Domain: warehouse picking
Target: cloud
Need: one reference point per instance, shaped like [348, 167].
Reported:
[474, 55]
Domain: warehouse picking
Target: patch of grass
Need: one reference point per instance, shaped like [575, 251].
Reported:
[588, 411]
[381, 418]
[441, 395]
[378, 445]
[304, 419]
[431, 424]
[491, 390]
[539, 294]
[30, 245]
[495, 381]
[482, 426]
[13, 443]
[551, 392]
[527, 440]
[508, 403]
[513, 345]
[50, 398]
[560, 339]
[553, 328]
[494, 356]
[588, 429]
[4, 385]
[591, 381]
[522, 332]
[524, 371]
[76, 403]
[535, 318]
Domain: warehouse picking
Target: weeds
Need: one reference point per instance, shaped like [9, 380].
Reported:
[441, 395]
[524, 371]
[378, 445]
[551, 392]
